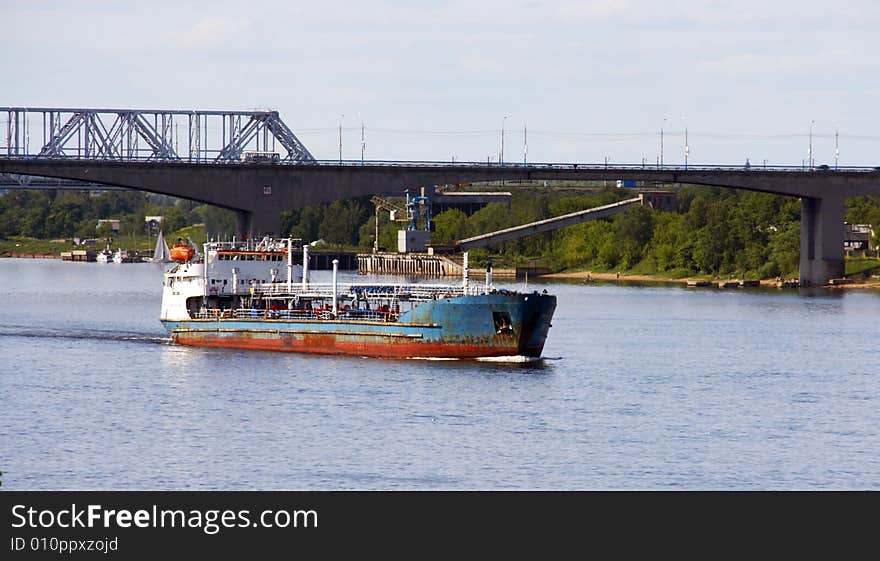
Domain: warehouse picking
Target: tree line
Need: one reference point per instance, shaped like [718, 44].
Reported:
[48, 214]
[714, 231]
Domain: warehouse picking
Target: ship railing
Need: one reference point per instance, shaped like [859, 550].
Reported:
[266, 244]
[369, 291]
[298, 314]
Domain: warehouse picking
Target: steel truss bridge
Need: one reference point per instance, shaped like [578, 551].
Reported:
[148, 134]
[206, 156]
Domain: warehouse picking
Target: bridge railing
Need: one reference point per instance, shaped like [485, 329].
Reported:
[583, 166]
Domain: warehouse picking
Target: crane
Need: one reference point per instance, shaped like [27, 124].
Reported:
[396, 214]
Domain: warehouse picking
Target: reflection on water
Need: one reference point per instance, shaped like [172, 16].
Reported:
[641, 387]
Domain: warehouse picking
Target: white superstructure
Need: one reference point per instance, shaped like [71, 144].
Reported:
[227, 270]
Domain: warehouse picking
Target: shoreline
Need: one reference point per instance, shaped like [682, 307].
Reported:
[30, 255]
[764, 283]
[578, 275]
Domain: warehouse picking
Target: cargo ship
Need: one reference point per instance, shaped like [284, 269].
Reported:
[251, 295]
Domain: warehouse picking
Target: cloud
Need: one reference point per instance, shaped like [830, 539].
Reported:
[209, 32]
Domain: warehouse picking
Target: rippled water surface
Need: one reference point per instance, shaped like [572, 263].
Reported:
[658, 387]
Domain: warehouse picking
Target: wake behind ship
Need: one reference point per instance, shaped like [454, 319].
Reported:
[247, 295]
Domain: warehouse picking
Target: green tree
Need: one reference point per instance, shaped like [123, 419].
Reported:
[632, 232]
[341, 223]
[450, 226]
[309, 222]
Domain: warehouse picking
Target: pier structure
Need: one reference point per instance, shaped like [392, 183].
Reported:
[410, 264]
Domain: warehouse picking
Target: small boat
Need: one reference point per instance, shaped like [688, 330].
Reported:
[121, 256]
[105, 255]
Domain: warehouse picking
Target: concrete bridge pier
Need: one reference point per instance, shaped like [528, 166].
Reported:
[822, 256]
[255, 224]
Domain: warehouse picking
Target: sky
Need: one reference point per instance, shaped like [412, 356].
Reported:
[439, 80]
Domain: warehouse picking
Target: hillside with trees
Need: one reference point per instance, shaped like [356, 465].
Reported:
[715, 231]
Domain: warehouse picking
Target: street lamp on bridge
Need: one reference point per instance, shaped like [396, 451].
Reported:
[341, 116]
[836, 146]
[501, 154]
[661, 141]
[810, 159]
[687, 149]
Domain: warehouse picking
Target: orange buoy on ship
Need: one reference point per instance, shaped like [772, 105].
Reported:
[181, 252]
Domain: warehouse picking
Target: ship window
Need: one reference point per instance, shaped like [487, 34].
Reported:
[502, 322]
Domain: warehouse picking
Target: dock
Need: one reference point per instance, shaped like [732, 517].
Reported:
[323, 260]
[30, 255]
[85, 255]
[730, 283]
[429, 265]
[414, 264]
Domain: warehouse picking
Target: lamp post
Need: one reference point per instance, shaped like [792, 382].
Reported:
[501, 155]
[810, 149]
[836, 147]
[661, 141]
[525, 144]
[340, 136]
[363, 143]
[687, 149]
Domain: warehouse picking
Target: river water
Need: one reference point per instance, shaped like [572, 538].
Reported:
[642, 387]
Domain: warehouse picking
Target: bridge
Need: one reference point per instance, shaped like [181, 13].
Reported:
[232, 167]
[547, 225]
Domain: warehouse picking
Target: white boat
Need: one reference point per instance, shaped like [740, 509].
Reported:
[121, 256]
[105, 255]
[162, 253]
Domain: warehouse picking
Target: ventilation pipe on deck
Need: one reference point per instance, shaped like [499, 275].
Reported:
[289, 265]
[464, 268]
[205, 272]
[488, 276]
[235, 280]
[305, 281]
[335, 299]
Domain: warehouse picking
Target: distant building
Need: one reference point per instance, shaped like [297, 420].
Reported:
[666, 201]
[413, 241]
[468, 202]
[857, 237]
[114, 225]
[153, 222]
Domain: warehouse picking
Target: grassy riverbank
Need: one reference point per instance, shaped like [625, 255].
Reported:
[862, 271]
[22, 245]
